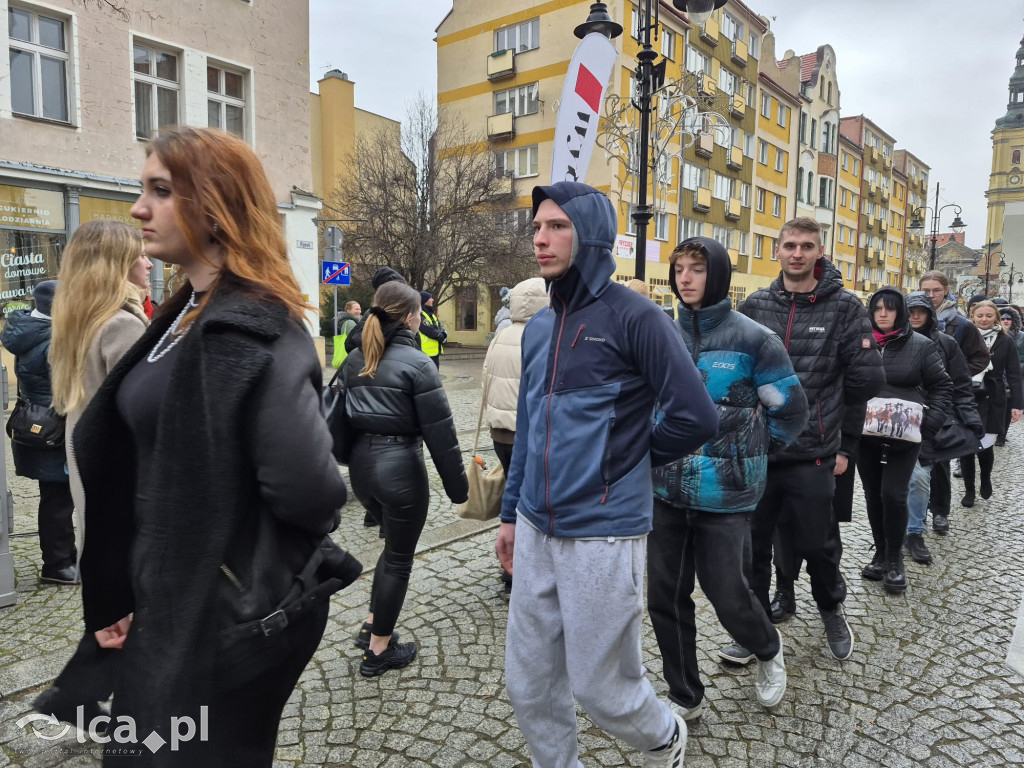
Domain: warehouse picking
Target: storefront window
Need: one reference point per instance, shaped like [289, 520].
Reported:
[32, 238]
[465, 309]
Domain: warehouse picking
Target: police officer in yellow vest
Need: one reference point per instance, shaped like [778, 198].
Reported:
[432, 335]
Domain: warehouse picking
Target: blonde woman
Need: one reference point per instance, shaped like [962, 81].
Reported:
[97, 317]
[395, 403]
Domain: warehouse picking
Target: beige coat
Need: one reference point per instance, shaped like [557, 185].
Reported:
[110, 344]
[503, 364]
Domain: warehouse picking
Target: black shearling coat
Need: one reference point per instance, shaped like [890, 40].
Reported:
[828, 336]
[241, 435]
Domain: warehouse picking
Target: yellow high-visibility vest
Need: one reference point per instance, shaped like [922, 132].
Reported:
[430, 347]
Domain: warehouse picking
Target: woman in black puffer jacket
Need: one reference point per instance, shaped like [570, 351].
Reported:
[914, 374]
[394, 403]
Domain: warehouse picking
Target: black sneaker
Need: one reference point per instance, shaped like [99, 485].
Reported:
[967, 500]
[60, 705]
[917, 549]
[837, 633]
[875, 570]
[67, 576]
[395, 656]
[783, 606]
[362, 638]
[736, 654]
[985, 491]
[940, 523]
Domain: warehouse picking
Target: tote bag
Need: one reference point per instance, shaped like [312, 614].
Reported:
[895, 417]
[485, 487]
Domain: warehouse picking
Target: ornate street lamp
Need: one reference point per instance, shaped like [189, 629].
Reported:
[988, 263]
[1008, 277]
[917, 222]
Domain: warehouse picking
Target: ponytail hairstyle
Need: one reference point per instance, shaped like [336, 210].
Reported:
[392, 303]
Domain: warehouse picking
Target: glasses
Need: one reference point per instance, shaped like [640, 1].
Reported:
[935, 291]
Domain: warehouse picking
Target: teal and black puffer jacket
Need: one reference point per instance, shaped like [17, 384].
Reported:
[761, 405]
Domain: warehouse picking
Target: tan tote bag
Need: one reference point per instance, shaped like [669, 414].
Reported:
[485, 487]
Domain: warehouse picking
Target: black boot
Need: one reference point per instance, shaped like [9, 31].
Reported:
[895, 578]
[875, 570]
[917, 549]
[783, 606]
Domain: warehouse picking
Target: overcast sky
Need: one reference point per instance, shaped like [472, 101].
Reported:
[932, 73]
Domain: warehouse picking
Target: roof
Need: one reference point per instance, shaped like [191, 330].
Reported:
[807, 64]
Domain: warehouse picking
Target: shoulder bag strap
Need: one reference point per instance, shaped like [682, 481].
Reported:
[480, 417]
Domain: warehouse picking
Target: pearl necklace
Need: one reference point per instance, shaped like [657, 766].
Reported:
[156, 352]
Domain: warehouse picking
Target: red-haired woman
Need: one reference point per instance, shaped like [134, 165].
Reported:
[207, 468]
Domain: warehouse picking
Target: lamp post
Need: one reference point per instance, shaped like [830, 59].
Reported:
[988, 263]
[1008, 276]
[698, 11]
[917, 224]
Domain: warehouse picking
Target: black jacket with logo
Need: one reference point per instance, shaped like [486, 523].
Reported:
[828, 336]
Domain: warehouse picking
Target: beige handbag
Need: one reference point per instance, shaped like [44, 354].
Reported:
[485, 487]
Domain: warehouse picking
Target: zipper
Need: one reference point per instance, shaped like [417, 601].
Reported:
[789, 325]
[821, 425]
[696, 338]
[573, 345]
[547, 444]
[231, 577]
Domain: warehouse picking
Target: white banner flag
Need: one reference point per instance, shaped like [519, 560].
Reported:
[579, 109]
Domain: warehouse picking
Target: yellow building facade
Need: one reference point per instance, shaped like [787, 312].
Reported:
[1004, 229]
[847, 230]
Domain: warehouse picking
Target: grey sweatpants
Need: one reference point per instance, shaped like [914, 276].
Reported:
[574, 629]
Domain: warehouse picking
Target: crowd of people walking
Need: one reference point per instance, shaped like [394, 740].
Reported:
[700, 449]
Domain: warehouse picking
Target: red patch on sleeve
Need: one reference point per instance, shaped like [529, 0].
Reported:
[865, 343]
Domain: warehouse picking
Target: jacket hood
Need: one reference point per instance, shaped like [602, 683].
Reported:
[924, 301]
[385, 275]
[1014, 316]
[830, 281]
[594, 227]
[23, 332]
[719, 276]
[902, 323]
[527, 299]
[346, 316]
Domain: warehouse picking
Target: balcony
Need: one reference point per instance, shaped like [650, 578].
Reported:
[883, 225]
[887, 162]
[739, 52]
[702, 200]
[738, 106]
[867, 286]
[501, 126]
[869, 253]
[869, 222]
[710, 31]
[733, 208]
[501, 64]
[503, 185]
[734, 257]
[735, 158]
[872, 188]
[885, 194]
[704, 146]
[707, 86]
[872, 155]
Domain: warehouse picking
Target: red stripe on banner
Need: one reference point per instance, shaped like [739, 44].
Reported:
[589, 88]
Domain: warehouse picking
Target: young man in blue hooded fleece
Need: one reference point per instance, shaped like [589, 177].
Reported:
[578, 501]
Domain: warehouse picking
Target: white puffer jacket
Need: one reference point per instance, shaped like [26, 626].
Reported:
[503, 364]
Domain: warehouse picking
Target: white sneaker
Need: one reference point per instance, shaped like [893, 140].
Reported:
[770, 678]
[687, 713]
[671, 755]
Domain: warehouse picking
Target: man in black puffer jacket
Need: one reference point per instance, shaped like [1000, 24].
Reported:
[929, 485]
[826, 331]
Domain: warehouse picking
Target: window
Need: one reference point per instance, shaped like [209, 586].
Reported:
[780, 160]
[846, 161]
[856, 166]
[745, 196]
[774, 249]
[722, 135]
[825, 192]
[465, 308]
[518, 162]
[660, 226]
[694, 176]
[754, 46]
[727, 81]
[842, 196]
[1015, 157]
[724, 187]
[518, 37]
[814, 133]
[809, 196]
[731, 28]
[523, 100]
[156, 89]
[723, 235]
[849, 235]
[758, 246]
[751, 94]
[803, 127]
[783, 115]
[760, 200]
[776, 205]
[691, 228]
[225, 100]
[849, 270]
[697, 61]
[828, 98]
[762, 151]
[39, 64]
[766, 105]
[668, 44]
[799, 185]
[748, 145]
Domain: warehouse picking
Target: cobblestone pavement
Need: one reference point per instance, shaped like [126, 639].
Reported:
[926, 685]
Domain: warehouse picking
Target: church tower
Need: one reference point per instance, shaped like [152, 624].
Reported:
[1006, 184]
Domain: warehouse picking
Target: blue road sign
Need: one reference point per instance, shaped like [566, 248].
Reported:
[336, 273]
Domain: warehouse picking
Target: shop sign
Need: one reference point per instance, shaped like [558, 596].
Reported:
[93, 208]
[27, 208]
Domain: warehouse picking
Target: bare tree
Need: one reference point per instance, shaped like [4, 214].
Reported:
[435, 210]
[117, 7]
